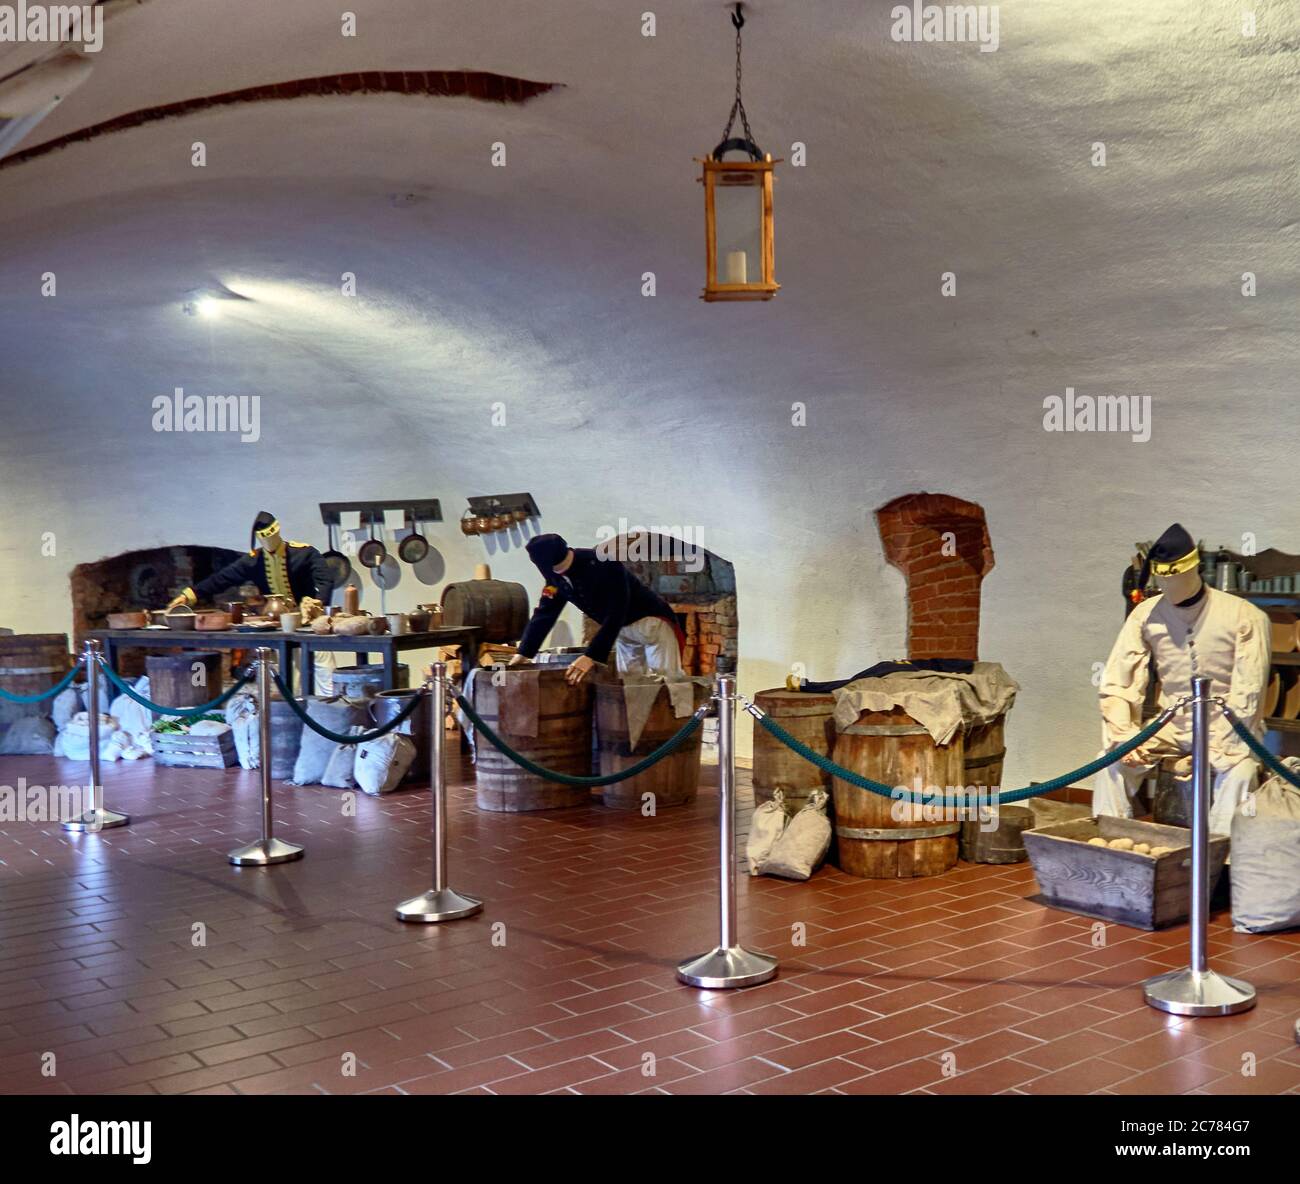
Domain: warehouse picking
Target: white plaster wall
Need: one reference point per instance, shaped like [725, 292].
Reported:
[522, 286]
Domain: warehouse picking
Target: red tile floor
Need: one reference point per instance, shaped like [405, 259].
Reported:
[565, 982]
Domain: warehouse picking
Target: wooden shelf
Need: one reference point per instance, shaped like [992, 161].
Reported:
[1282, 725]
[1291, 659]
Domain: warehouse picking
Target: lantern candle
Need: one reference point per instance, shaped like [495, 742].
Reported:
[737, 269]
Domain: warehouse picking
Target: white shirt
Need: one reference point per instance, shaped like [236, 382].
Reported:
[1221, 637]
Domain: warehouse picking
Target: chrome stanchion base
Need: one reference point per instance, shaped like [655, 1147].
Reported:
[1191, 992]
[447, 905]
[264, 852]
[93, 820]
[734, 967]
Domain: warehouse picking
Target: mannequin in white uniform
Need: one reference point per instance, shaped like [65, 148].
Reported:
[1191, 630]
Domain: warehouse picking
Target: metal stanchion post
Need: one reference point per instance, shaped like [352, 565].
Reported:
[730, 964]
[1198, 990]
[440, 903]
[268, 849]
[96, 818]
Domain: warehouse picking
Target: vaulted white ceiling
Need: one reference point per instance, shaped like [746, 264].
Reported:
[522, 285]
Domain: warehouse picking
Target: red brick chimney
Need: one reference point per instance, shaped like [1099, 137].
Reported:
[941, 545]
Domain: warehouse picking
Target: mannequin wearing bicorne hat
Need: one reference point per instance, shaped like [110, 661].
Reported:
[1188, 631]
[278, 566]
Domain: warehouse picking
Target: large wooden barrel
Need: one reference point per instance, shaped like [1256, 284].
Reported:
[891, 747]
[673, 780]
[385, 705]
[29, 664]
[809, 719]
[562, 742]
[184, 680]
[498, 607]
[985, 755]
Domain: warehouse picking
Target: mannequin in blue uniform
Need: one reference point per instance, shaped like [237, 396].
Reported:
[276, 565]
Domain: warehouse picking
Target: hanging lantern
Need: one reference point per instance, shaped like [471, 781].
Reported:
[738, 210]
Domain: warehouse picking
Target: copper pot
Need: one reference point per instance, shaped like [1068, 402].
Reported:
[468, 523]
[275, 606]
[520, 515]
[498, 522]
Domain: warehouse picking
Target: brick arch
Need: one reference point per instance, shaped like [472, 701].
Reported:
[941, 545]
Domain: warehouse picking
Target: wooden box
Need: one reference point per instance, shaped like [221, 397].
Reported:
[1123, 886]
[181, 750]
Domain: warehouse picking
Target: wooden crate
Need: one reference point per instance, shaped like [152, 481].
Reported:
[181, 750]
[1119, 886]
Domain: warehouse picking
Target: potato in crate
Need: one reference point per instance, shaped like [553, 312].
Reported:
[1119, 869]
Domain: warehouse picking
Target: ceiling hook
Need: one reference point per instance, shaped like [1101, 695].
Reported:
[738, 17]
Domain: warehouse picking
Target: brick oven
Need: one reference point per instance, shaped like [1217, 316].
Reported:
[941, 545]
[138, 580]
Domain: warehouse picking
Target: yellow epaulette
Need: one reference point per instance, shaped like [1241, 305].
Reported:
[293, 544]
[252, 554]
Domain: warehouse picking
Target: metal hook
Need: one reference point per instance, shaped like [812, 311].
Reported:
[738, 17]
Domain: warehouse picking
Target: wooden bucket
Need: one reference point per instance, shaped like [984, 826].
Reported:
[385, 705]
[1171, 803]
[498, 607]
[891, 747]
[674, 780]
[809, 719]
[29, 664]
[364, 682]
[172, 678]
[985, 754]
[562, 743]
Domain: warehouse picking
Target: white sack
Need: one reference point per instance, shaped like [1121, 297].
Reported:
[765, 826]
[381, 764]
[804, 843]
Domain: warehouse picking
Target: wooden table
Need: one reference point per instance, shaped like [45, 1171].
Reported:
[306, 643]
[389, 645]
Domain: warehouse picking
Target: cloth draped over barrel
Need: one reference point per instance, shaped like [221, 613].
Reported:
[519, 703]
[940, 703]
[640, 692]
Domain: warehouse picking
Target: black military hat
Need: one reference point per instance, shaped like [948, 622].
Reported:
[1171, 554]
[546, 550]
[262, 525]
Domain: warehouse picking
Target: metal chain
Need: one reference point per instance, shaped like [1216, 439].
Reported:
[738, 20]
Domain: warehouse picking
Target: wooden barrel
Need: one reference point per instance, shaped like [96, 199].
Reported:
[29, 664]
[891, 747]
[498, 607]
[809, 719]
[562, 743]
[385, 705]
[364, 682]
[985, 755]
[673, 780]
[184, 680]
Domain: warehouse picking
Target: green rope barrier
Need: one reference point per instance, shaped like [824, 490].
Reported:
[179, 712]
[673, 742]
[57, 689]
[1252, 742]
[910, 796]
[339, 737]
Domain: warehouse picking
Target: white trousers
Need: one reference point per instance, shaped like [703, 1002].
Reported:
[648, 646]
[1114, 788]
